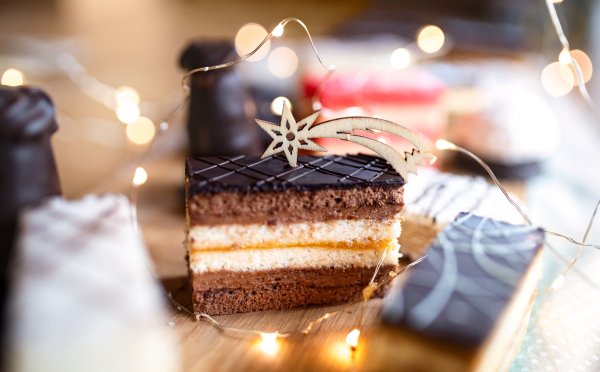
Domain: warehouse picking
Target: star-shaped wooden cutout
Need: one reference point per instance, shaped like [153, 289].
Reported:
[290, 135]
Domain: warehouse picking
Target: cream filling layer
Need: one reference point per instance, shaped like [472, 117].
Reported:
[357, 234]
[290, 257]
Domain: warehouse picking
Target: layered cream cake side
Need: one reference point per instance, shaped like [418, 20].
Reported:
[262, 235]
[434, 199]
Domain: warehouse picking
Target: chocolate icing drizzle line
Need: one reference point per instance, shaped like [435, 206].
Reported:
[312, 165]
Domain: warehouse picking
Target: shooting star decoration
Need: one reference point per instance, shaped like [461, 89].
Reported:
[290, 136]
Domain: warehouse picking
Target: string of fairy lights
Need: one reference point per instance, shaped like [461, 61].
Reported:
[573, 68]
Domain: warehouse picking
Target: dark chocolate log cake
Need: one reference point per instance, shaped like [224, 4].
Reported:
[262, 235]
[466, 306]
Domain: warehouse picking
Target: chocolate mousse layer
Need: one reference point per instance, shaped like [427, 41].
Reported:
[229, 292]
[242, 190]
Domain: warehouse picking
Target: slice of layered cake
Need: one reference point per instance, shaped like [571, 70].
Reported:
[262, 235]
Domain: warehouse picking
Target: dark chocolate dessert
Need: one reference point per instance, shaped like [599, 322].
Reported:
[465, 307]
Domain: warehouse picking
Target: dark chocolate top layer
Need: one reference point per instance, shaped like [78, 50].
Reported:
[250, 173]
[472, 271]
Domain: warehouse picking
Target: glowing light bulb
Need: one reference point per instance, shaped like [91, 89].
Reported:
[444, 145]
[430, 39]
[283, 62]
[278, 31]
[558, 282]
[141, 131]
[277, 105]
[557, 79]
[400, 58]
[352, 338]
[128, 112]
[12, 77]
[564, 57]
[269, 343]
[140, 176]
[126, 94]
[248, 38]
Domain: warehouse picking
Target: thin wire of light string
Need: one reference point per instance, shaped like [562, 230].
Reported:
[246, 56]
[305, 330]
[564, 273]
[565, 43]
[162, 127]
[454, 147]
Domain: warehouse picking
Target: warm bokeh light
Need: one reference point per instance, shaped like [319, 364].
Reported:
[564, 57]
[278, 31]
[277, 105]
[352, 338]
[283, 62]
[128, 112]
[430, 39]
[248, 38]
[141, 131]
[140, 176]
[557, 1]
[442, 144]
[400, 58]
[12, 77]
[557, 79]
[558, 282]
[585, 64]
[126, 94]
[269, 343]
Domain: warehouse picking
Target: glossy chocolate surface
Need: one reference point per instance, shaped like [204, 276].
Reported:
[250, 173]
[472, 271]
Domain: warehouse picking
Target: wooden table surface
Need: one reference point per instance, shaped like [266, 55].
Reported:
[204, 347]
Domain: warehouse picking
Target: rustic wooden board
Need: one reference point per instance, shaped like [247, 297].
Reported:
[205, 348]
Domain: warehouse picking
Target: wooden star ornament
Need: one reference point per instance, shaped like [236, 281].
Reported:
[290, 136]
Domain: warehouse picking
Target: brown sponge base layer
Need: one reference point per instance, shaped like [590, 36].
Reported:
[229, 292]
[288, 206]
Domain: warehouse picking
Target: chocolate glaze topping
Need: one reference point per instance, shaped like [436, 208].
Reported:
[250, 173]
[472, 271]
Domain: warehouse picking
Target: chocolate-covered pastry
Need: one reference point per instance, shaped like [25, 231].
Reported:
[263, 236]
[465, 307]
[27, 169]
[217, 122]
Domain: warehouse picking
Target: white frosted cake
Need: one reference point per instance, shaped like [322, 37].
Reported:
[434, 199]
[83, 297]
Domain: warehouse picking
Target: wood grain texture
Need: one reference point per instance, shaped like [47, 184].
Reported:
[161, 213]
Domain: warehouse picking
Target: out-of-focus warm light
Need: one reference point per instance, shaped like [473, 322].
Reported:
[277, 105]
[430, 39]
[585, 64]
[400, 58]
[558, 282]
[557, 79]
[557, 1]
[140, 176]
[352, 338]
[269, 343]
[564, 57]
[283, 62]
[128, 112]
[126, 94]
[12, 77]
[442, 144]
[278, 31]
[248, 38]
[141, 131]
